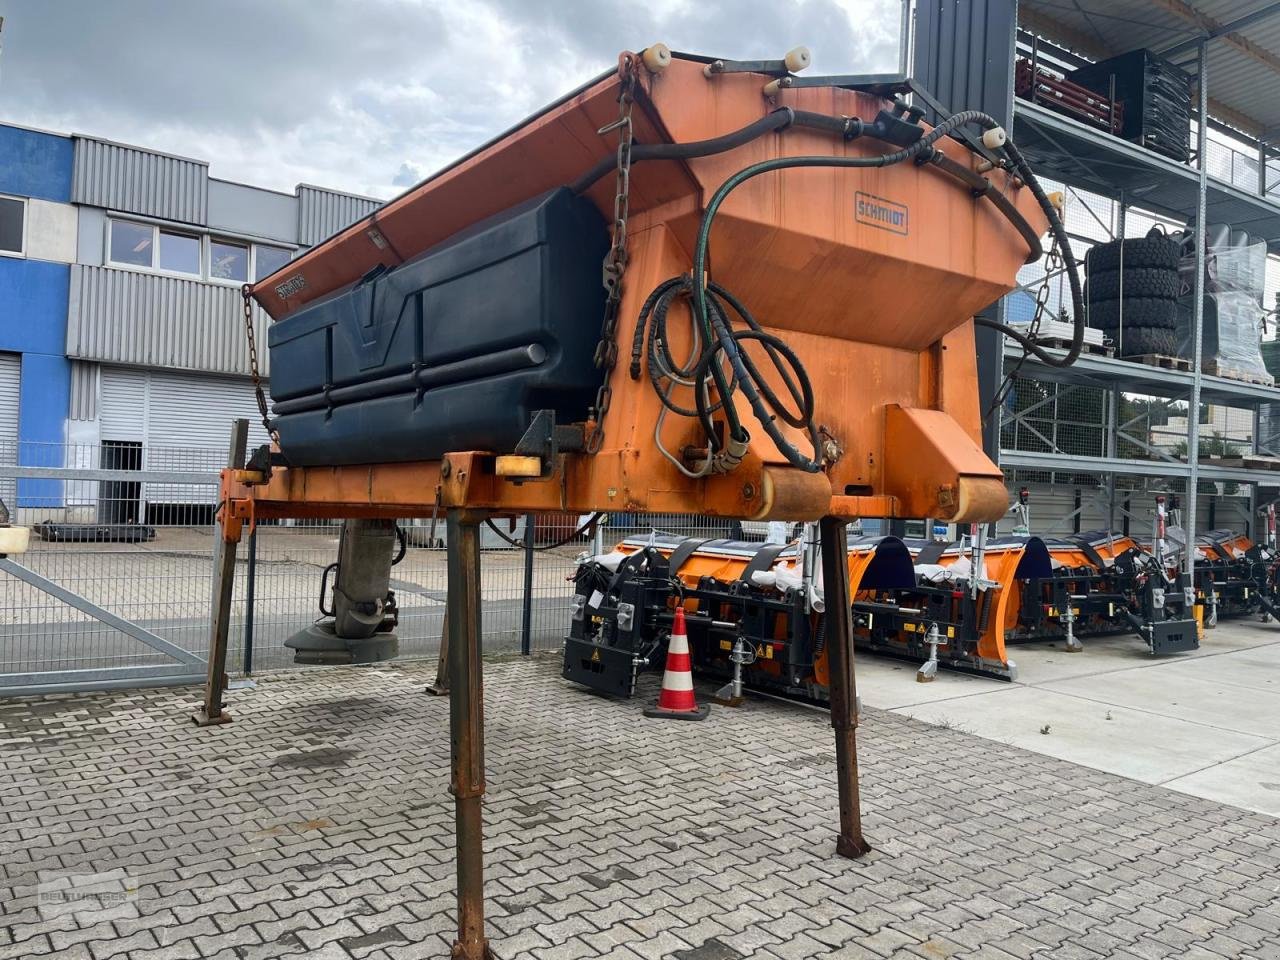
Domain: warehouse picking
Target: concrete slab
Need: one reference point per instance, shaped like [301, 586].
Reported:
[1182, 691]
[1251, 781]
[1207, 722]
[1133, 743]
[1252, 668]
[887, 684]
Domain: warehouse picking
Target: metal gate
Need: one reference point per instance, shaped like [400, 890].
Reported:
[97, 602]
[129, 606]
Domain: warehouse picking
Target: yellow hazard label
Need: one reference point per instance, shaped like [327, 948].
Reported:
[910, 627]
[951, 632]
[595, 655]
[726, 645]
[1053, 611]
[768, 652]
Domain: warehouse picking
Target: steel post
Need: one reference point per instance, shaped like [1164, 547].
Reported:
[224, 581]
[441, 687]
[1197, 333]
[526, 612]
[250, 597]
[844, 691]
[466, 729]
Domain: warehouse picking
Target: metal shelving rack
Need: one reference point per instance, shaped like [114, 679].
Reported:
[1086, 158]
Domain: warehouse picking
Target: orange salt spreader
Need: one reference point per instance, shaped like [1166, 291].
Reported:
[782, 328]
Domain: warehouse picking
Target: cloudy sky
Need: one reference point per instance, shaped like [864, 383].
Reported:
[369, 95]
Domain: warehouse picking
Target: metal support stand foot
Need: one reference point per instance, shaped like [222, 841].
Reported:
[212, 712]
[928, 671]
[1068, 619]
[441, 687]
[730, 695]
[844, 693]
[466, 729]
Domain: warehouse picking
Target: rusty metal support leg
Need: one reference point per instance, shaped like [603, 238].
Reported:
[224, 580]
[844, 691]
[441, 687]
[466, 728]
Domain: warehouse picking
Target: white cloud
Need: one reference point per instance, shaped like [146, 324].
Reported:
[368, 97]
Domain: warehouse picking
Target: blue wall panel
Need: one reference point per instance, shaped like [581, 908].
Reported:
[42, 408]
[35, 164]
[33, 305]
[33, 322]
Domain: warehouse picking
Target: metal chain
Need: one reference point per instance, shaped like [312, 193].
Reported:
[615, 261]
[246, 293]
[1053, 265]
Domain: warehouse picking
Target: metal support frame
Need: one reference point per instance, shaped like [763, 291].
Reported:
[247, 497]
[844, 690]
[466, 729]
[440, 688]
[1197, 332]
[212, 711]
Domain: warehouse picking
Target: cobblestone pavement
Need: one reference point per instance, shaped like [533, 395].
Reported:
[319, 824]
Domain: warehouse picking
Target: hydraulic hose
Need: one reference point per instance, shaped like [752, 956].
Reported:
[718, 333]
[1069, 264]
[779, 119]
[916, 149]
[709, 312]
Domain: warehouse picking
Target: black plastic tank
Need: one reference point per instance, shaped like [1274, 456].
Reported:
[453, 350]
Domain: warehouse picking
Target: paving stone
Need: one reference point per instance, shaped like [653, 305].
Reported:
[606, 837]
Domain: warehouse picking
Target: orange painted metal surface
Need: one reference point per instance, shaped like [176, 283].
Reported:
[879, 315]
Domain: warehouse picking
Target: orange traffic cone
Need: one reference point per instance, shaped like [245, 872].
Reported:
[676, 698]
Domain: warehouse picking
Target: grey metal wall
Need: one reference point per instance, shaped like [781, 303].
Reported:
[322, 213]
[243, 209]
[129, 317]
[964, 53]
[84, 391]
[123, 178]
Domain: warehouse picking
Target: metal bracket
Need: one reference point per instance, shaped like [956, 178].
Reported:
[546, 440]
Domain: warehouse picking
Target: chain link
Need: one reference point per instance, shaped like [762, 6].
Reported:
[246, 293]
[615, 261]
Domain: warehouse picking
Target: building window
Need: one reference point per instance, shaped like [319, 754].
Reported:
[144, 245]
[228, 261]
[267, 260]
[179, 253]
[132, 244]
[13, 217]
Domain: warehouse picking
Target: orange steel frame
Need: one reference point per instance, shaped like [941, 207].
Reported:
[465, 489]
[888, 345]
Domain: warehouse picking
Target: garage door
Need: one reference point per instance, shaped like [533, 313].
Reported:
[196, 412]
[181, 420]
[10, 386]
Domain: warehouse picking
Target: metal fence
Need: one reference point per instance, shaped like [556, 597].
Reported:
[115, 588]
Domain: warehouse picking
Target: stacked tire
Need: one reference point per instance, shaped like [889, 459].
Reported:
[1132, 292]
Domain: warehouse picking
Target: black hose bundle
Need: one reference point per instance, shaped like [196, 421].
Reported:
[662, 366]
[721, 344]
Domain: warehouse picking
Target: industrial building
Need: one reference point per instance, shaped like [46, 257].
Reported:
[121, 326]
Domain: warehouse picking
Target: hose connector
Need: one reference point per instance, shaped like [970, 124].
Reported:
[730, 457]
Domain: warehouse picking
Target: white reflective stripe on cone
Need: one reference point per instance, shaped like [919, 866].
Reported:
[678, 680]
